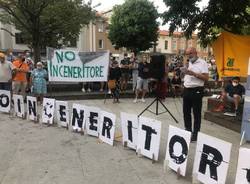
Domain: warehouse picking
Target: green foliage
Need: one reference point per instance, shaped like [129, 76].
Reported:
[219, 15]
[134, 25]
[62, 21]
[47, 22]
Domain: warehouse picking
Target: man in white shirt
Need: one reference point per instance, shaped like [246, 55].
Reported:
[195, 76]
[6, 68]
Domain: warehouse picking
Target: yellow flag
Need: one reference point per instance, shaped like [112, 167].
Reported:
[232, 53]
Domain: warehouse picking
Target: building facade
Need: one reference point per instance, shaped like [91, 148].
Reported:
[176, 44]
[11, 38]
[102, 30]
[93, 37]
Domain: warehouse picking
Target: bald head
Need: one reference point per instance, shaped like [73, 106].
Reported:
[191, 50]
[191, 54]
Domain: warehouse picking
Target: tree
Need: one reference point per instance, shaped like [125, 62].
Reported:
[232, 16]
[46, 22]
[134, 25]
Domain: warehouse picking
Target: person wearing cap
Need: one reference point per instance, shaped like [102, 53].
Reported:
[20, 78]
[233, 93]
[38, 77]
[196, 73]
[6, 68]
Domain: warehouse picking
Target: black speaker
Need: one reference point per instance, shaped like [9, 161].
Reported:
[157, 66]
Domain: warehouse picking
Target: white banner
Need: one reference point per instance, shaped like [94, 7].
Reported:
[74, 66]
[107, 127]
[31, 108]
[211, 159]
[78, 117]
[48, 110]
[4, 101]
[177, 149]
[212, 155]
[19, 105]
[93, 121]
[62, 113]
[243, 168]
[129, 129]
[149, 136]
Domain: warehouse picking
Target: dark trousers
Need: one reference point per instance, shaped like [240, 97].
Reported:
[5, 86]
[116, 91]
[192, 99]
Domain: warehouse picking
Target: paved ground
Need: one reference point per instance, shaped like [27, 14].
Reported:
[36, 154]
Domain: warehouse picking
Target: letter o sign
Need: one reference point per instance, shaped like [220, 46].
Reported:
[4, 100]
[70, 56]
[179, 159]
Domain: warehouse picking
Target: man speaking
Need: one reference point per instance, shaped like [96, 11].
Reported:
[196, 73]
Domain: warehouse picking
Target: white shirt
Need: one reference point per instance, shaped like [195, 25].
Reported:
[5, 71]
[199, 66]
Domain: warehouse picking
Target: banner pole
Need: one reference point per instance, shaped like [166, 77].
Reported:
[50, 88]
[106, 90]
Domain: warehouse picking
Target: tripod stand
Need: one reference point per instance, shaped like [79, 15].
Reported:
[157, 100]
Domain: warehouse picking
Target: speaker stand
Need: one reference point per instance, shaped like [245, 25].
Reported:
[157, 100]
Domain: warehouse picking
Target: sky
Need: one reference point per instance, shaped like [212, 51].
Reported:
[159, 4]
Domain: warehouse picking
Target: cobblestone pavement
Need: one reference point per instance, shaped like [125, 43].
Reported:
[36, 154]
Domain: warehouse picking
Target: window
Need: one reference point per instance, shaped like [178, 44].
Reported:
[100, 27]
[166, 45]
[19, 38]
[107, 28]
[174, 46]
[100, 44]
[182, 45]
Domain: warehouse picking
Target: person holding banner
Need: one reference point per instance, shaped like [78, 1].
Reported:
[6, 68]
[195, 75]
[19, 76]
[38, 77]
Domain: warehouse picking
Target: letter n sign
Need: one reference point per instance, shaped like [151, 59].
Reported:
[62, 113]
[211, 159]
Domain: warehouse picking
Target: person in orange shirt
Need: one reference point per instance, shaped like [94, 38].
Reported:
[19, 78]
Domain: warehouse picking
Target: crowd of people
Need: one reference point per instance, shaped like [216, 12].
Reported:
[182, 77]
[136, 70]
[19, 75]
[129, 68]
